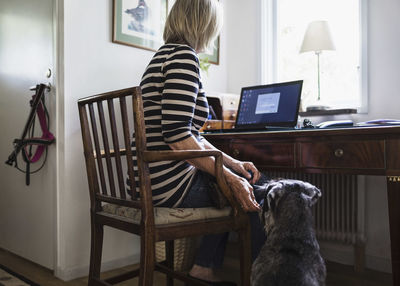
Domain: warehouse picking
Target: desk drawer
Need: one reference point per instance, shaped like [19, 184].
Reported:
[348, 154]
[264, 154]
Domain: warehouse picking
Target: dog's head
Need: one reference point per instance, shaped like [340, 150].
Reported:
[276, 191]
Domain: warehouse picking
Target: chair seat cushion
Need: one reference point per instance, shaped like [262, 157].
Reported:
[168, 215]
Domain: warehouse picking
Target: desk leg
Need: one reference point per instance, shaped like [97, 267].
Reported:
[393, 189]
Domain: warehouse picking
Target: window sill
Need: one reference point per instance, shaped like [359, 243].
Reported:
[328, 112]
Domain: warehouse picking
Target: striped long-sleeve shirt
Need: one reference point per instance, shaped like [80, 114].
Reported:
[175, 108]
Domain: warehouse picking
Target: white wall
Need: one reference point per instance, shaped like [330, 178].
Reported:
[243, 43]
[93, 64]
[384, 74]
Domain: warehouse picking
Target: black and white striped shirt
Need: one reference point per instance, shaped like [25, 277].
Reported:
[175, 108]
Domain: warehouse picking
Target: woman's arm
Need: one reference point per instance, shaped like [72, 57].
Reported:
[239, 167]
[241, 188]
[206, 164]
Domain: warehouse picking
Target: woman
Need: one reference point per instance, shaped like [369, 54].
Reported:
[175, 108]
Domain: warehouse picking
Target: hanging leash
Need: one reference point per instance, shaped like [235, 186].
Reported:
[25, 145]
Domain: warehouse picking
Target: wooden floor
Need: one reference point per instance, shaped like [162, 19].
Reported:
[338, 275]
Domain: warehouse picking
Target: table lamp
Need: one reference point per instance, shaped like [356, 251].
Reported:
[317, 39]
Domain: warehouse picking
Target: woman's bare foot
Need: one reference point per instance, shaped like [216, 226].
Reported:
[204, 273]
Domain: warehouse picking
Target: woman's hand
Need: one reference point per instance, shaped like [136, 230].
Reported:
[242, 191]
[243, 169]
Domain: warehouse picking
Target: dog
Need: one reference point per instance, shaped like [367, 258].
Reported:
[290, 255]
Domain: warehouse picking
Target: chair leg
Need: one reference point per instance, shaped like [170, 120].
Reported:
[147, 258]
[95, 251]
[169, 254]
[245, 255]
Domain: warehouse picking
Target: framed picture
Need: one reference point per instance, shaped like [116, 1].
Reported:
[139, 23]
[213, 56]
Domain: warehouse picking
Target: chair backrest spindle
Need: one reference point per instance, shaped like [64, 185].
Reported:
[143, 168]
[114, 134]
[97, 149]
[89, 156]
[128, 143]
[106, 147]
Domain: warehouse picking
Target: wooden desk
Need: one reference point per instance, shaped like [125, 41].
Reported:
[362, 151]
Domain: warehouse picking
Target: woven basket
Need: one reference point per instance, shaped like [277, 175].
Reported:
[184, 251]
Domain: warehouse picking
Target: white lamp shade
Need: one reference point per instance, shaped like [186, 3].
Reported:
[317, 38]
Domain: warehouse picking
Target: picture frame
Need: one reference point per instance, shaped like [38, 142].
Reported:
[213, 56]
[139, 23]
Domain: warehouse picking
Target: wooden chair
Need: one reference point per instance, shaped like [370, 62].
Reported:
[107, 187]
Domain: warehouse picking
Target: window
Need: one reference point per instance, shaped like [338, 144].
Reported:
[343, 81]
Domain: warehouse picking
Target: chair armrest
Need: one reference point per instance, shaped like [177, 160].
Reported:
[152, 156]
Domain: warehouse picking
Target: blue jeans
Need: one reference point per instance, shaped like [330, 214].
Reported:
[212, 247]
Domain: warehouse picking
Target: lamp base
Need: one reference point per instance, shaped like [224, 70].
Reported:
[317, 107]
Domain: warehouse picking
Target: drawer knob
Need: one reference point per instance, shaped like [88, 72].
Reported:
[236, 152]
[339, 153]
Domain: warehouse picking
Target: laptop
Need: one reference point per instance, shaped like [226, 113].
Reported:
[268, 107]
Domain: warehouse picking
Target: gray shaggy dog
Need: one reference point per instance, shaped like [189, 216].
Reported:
[290, 256]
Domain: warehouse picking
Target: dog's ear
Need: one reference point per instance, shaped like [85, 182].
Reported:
[274, 193]
[265, 204]
[317, 194]
[271, 202]
[312, 194]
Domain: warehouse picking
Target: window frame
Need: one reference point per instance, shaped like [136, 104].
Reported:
[268, 50]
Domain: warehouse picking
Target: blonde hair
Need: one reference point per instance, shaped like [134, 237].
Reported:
[193, 22]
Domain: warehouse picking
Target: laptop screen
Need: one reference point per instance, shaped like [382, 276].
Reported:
[269, 105]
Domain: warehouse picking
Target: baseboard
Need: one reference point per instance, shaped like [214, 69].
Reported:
[378, 263]
[82, 271]
[344, 254]
[339, 253]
